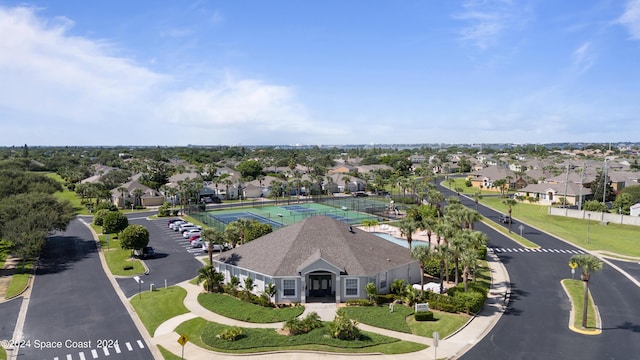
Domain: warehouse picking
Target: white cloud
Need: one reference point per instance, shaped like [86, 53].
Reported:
[485, 21]
[583, 57]
[631, 18]
[68, 84]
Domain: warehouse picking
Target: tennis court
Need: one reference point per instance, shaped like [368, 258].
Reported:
[281, 215]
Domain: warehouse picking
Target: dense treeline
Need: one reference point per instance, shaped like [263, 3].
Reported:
[28, 209]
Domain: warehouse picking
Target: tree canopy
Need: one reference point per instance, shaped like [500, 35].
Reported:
[134, 237]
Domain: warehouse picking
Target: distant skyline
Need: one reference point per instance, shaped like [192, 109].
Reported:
[318, 73]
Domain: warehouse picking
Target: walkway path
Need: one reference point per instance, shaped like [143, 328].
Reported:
[6, 273]
[452, 347]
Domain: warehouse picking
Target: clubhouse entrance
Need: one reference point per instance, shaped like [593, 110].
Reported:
[320, 285]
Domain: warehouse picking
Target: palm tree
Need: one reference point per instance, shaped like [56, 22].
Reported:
[212, 236]
[510, 203]
[422, 253]
[210, 278]
[369, 223]
[346, 180]
[407, 227]
[468, 259]
[477, 197]
[589, 264]
[435, 198]
[123, 190]
[137, 195]
[441, 253]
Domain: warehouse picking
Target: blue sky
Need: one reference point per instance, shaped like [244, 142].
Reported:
[318, 73]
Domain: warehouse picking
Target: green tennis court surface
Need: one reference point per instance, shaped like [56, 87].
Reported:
[286, 214]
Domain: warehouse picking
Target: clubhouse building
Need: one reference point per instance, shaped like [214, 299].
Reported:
[319, 259]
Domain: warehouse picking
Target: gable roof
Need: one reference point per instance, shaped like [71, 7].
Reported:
[283, 252]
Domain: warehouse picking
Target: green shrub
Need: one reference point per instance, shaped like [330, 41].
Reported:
[164, 210]
[114, 222]
[469, 302]
[343, 328]
[297, 326]
[98, 217]
[397, 286]
[106, 205]
[231, 333]
[482, 252]
[423, 316]
[359, 302]
[385, 299]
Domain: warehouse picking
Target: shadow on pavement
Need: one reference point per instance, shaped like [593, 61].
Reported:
[61, 252]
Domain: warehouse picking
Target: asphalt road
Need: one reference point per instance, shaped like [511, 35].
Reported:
[173, 263]
[74, 312]
[535, 325]
[9, 315]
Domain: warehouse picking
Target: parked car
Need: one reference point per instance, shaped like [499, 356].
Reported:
[505, 219]
[194, 237]
[188, 226]
[174, 225]
[171, 221]
[199, 243]
[145, 252]
[190, 232]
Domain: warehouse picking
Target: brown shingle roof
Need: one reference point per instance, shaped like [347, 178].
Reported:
[282, 252]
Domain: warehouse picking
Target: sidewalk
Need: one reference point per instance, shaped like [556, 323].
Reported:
[6, 274]
[450, 348]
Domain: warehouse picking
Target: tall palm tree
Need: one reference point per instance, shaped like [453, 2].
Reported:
[589, 264]
[423, 254]
[137, 195]
[510, 203]
[123, 190]
[407, 227]
[468, 259]
[441, 252]
[212, 236]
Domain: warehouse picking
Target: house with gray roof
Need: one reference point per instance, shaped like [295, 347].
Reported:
[319, 259]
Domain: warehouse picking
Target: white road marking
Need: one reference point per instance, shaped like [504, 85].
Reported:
[106, 351]
[129, 346]
[94, 353]
[140, 344]
[116, 347]
[69, 357]
[81, 356]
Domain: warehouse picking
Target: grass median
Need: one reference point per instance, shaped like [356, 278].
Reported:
[156, 307]
[20, 279]
[204, 334]
[575, 291]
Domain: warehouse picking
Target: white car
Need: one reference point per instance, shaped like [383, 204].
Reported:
[199, 243]
[188, 226]
[174, 225]
[189, 233]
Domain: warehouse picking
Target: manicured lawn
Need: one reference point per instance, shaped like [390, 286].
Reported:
[576, 292]
[118, 259]
[3, 353]
[155, 307]
[73, 198]
[619, 239]
[168, 355]
[379, 316]
[233, 308]
[20, 279]
[204, 334]
[401, 320]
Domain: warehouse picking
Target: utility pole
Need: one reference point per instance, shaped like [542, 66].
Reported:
[584, 169]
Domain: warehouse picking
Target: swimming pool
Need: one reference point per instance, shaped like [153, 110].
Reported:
[393, 239]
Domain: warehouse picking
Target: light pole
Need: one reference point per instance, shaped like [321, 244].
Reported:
[588, 226]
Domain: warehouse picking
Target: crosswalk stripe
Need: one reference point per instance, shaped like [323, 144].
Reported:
[521, 249]
[69, 357]
[116, 347]
[140, 344]
[94, 353]
[106, 351]
[56, 358]
[129, 346]
[81, 356]
[562, 251]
